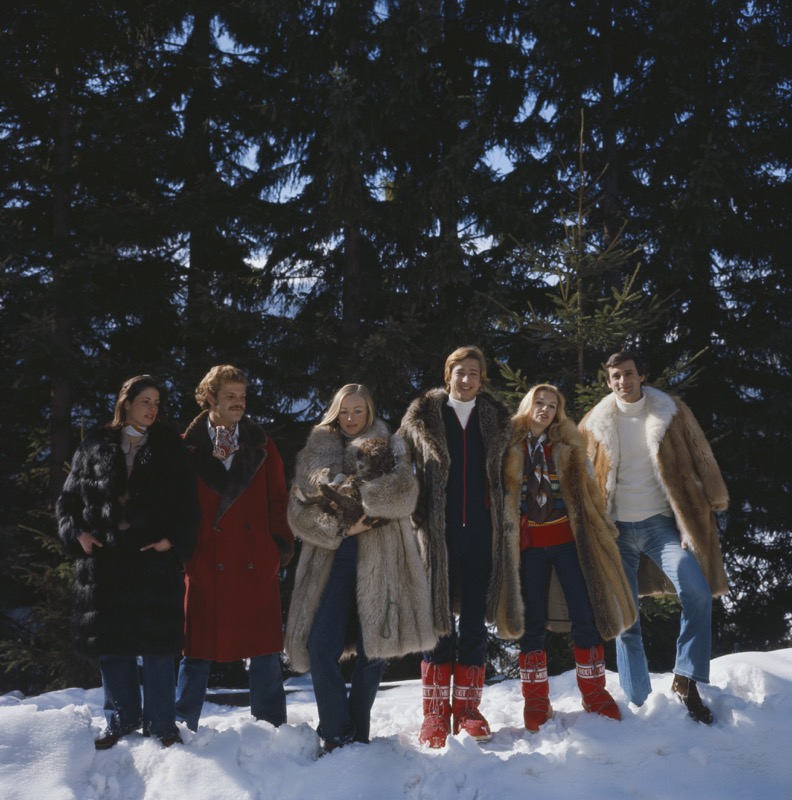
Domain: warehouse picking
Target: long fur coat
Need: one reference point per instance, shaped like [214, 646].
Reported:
[686, 470]
[424, 432]
[128, 602]
[595, 534]
[393, 602]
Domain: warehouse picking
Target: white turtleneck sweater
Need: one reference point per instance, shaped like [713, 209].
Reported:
[638, 494]
[463, 409]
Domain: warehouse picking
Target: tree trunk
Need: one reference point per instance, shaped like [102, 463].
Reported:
[62, 320]
[197, 115]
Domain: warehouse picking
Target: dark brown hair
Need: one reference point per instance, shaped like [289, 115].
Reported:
[621, 357]
[130, 389]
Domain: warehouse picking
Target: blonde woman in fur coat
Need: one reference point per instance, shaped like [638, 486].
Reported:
[554, 502]
[369, 567]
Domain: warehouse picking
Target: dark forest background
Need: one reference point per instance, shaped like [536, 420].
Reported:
[325, 192]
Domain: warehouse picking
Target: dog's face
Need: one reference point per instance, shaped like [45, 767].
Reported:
[374, 457]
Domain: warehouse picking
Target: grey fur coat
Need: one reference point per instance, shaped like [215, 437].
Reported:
[424, 432]
[394, 606]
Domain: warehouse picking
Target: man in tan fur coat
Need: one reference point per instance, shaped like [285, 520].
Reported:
[662, 487]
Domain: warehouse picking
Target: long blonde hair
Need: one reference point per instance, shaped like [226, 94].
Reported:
[331, 415]
[521, 421]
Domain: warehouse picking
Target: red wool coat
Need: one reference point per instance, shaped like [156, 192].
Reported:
[232, 602]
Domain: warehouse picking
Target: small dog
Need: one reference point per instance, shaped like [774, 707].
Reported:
[373, 458]
[370, 458]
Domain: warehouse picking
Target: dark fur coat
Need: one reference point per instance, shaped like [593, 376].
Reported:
[129, 602]
[424, 432]
[595, 534]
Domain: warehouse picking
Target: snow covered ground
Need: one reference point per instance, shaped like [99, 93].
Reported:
[656, 752]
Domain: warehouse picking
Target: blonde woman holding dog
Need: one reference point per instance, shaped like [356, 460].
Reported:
[367, 569]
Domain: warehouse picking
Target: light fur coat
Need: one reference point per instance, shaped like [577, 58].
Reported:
[686, 470]
[595, 534]
[393, 601]
[424, 432]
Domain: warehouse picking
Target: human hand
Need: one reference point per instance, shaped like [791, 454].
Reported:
[161, 546]
[88, 541]
[363, 524]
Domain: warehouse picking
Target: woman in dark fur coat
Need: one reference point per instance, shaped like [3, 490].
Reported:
[366, 571]
[128, 512]
[552, 499]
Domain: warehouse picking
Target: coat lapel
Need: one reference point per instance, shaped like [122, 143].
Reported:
[229, 484]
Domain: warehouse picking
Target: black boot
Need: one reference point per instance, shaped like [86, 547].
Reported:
[687, 692]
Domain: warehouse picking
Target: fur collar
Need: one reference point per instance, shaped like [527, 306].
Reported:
[229, 484]
[322, 458]
[566, 433]
[661, 409]
[423, 422]
[602, 423]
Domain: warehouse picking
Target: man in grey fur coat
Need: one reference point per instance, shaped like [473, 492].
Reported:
[458, 437]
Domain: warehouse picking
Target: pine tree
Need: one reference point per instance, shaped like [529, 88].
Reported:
[584, 311]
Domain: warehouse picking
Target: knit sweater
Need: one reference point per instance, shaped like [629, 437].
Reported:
[638, 494]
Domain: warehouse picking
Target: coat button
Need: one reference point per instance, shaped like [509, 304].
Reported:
[218, 529]
[250, 565]
[221, 567]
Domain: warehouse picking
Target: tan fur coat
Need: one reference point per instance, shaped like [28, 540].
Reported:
[394, 605]
[686, 470]
[423, 429]
[595, 534]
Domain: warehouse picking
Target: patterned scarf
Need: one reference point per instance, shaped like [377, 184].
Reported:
[537, 490]
[132, 440]
[224, 443]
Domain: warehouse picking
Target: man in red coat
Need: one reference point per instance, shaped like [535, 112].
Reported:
[232, 603]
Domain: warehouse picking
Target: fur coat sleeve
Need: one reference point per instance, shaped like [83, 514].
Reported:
[318, 462]
[393, 495]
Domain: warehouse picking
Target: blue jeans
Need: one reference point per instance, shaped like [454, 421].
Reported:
[123, 708]
[342, 718]
[469, 573]
[267, 695]
[658, 538]
[535, 563]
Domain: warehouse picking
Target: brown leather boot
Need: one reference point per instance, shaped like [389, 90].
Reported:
[535, 689]
[687, 691]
